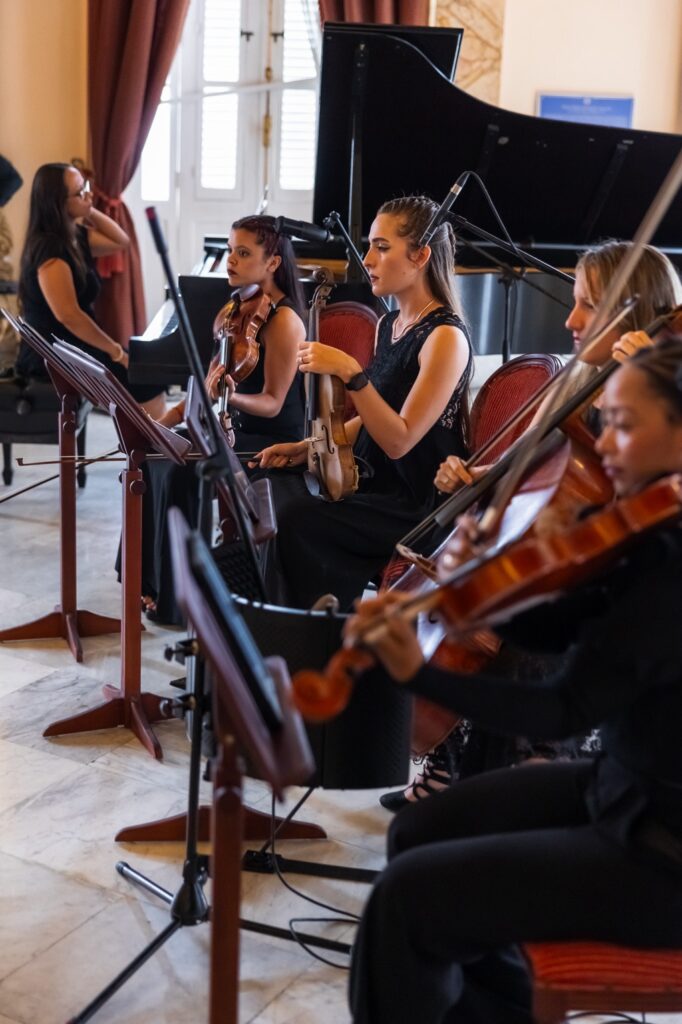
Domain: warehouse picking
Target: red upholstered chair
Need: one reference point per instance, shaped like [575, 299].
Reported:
[503, 393]
[351, 327]
[604, 979]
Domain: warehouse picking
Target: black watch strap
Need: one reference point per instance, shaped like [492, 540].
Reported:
[359, 381]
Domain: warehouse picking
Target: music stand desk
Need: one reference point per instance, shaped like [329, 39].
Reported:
[126, 705]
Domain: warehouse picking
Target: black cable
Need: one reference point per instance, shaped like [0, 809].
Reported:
[343, 916]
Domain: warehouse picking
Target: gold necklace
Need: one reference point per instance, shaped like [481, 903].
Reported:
[396, 337]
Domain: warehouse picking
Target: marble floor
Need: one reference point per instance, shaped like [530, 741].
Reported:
[69, 922]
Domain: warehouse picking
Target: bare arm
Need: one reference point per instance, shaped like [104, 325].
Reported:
[281, 336]
[104, 234]
[56, 284]
[442, 362]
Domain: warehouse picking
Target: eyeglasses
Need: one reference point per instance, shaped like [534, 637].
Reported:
[82, 193]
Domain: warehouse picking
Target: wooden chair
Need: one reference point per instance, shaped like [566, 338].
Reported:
[351, 327]
[503, 393]
[601, 978]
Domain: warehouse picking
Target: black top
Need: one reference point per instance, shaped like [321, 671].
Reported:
[34, 304]
[622, 672]
[393, 371]
[288, 424]
[37, 312]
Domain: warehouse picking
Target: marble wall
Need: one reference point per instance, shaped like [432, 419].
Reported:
[479, 65]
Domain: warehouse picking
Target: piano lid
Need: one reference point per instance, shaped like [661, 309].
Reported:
[554, 182]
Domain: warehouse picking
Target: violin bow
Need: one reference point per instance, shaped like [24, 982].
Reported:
[523, 456]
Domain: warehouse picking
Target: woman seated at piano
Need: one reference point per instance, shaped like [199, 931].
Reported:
[266, 407]
[412, 409]
[58, 280]
[470, 749]
[579, 851]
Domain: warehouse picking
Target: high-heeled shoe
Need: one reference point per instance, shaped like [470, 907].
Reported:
[434, 777]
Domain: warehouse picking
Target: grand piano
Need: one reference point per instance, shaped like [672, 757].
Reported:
[391, 122]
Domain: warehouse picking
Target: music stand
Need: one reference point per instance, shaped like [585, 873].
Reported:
[67, 621]
[252, 715]
[125, 705]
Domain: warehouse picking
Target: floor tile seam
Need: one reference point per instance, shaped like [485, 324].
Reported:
[291, 980]
[62, 938]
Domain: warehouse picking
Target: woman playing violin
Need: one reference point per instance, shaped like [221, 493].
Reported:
[266, 407]
[411, 409]
[583, 850]
[471, 749]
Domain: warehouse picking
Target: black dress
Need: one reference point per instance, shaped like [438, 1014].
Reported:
[587, 850]
[337, 547]
[37, 312]
[170, 486]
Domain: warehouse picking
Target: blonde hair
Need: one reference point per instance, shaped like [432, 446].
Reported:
[654, 279]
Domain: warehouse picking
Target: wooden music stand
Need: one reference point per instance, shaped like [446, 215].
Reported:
[125, 705]
[259, 519]
[252, 715]
[67, 621]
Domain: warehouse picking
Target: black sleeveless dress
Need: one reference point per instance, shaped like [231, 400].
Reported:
[170, 486]
[37, 312]
[337, 547]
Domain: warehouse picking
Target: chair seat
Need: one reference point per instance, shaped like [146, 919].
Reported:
[597, 965]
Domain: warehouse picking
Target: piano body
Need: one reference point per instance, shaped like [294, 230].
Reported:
[392, 123]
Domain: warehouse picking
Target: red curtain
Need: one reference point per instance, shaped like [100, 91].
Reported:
[376, 12]
[131, 45]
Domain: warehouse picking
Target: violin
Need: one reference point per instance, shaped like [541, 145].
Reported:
[331, 463]
[494, 586]
[235, 331]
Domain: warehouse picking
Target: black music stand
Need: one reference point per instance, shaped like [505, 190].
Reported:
[125, 705]
[252, 715]
[67, 621]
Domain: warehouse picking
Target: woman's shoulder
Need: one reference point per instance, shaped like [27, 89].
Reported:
[49, 247]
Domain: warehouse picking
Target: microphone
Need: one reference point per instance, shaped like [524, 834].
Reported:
[442, 211]
[302, 229]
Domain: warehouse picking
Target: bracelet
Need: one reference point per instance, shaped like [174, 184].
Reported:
[118, 358]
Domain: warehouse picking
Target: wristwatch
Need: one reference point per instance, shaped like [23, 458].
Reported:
[359, 381]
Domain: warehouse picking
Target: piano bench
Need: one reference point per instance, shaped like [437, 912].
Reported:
[28, 415]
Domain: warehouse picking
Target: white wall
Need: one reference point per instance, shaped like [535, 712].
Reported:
[631, 47]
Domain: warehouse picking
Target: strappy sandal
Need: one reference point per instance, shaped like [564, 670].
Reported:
[434, 777]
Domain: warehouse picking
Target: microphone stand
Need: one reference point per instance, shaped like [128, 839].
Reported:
[333, 221]
[508, 274]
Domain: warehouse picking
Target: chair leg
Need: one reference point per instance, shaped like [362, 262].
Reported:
[80, 448]
[7, 471]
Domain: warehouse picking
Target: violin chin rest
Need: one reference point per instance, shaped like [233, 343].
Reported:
[326, 603]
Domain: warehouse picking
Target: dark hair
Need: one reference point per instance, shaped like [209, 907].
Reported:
[48, 220]
[276, 244]
[654, 280]
[414, 213]
[662, 365]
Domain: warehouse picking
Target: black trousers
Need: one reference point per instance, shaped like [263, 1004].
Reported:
[506, 857]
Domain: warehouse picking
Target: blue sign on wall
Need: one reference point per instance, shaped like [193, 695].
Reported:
[615, 111]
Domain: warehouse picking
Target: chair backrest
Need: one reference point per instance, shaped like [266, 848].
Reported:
[351, 327]
[504, 392]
